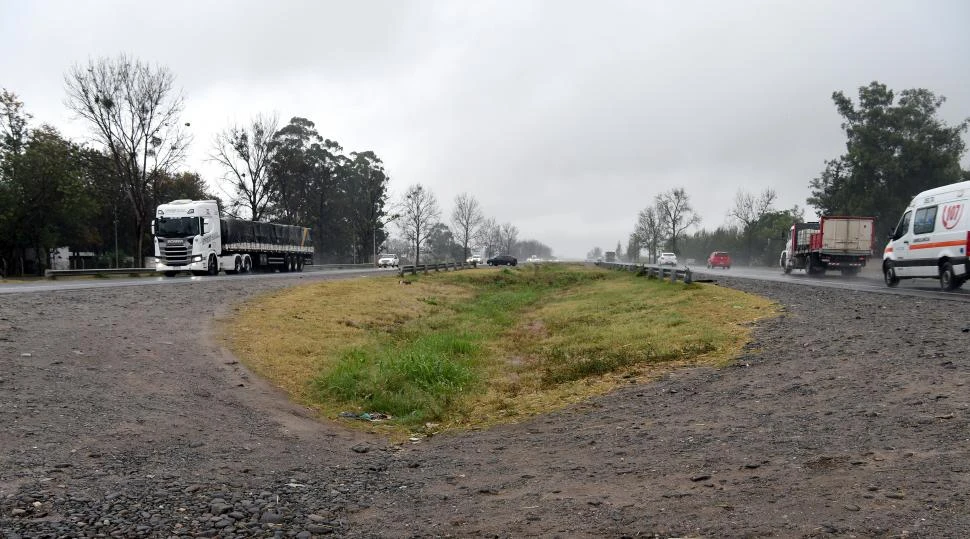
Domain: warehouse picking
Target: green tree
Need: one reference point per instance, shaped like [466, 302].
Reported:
[366, 185]
[307, 186]
[50, 199]
[894, 149]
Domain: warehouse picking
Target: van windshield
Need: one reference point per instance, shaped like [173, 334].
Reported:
[178, 227]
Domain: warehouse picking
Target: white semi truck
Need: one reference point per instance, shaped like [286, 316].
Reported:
[191, 236]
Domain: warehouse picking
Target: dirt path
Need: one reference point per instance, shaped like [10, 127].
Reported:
[848, 416]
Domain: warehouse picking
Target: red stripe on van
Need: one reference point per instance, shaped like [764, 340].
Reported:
[933, 244]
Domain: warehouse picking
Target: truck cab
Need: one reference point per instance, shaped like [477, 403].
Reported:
[187, 237]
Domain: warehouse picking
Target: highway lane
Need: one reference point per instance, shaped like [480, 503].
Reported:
[77, 283]
[869, 280]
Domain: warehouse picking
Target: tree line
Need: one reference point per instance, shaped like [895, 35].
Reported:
[100, 197]
[895, 148]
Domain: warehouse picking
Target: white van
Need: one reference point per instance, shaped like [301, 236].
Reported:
[932, 238]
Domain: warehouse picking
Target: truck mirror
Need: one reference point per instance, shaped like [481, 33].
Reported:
[153, 227]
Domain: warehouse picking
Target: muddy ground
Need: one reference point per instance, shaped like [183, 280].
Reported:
[846, 416]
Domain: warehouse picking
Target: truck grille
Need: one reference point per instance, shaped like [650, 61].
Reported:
[175, 255]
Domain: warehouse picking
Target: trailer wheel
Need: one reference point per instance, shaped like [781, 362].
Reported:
[247, 264]
[299, 263]
[236, 266]
[889, 274]
[948, 278]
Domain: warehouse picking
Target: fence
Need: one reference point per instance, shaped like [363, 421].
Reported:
[51, 274]
[653, 270]
[445, 266]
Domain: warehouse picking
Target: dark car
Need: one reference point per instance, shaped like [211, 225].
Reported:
[502, 260]
[719, 259]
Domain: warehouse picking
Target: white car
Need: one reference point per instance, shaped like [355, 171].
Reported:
[474, 259]
[387, 261]
[667, 259]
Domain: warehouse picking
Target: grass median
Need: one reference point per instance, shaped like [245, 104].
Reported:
[475, 348]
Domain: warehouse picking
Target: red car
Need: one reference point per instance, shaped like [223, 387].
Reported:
[719, 259]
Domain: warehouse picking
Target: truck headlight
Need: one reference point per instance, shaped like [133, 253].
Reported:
[197, 258]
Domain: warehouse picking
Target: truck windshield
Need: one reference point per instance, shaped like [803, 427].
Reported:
[178, 227]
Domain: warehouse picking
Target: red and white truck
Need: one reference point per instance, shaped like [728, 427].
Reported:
[836, 242]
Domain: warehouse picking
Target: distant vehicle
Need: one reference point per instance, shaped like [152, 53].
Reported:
[667, 259]
[388, 261]
[190, 235]
[932, 239]
[610, 256]
[503, 260]
[533, 259]
[474, 259]
[719, 259]
[843, 243]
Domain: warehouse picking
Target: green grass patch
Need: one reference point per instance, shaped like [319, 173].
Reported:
[474, 348]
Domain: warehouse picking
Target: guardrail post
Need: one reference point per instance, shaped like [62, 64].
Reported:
[687, 278]
[673, 275]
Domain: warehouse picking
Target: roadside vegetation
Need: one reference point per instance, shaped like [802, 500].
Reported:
[475, 348]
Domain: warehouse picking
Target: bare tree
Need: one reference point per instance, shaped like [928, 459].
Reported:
[649, 231]
[134, 110]
[419, 215]
[748, 210]
[487, 236]
[676, 213]
[243, 152]
[466, 218]
[508, 235]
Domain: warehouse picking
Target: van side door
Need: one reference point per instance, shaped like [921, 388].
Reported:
[898, 248]
[923, 249]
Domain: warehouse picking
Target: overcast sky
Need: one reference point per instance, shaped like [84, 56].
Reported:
[564, 118]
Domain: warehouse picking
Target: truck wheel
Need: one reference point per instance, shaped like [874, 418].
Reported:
[213, 265]
[948, 279]
[889, 274]
[809, 266]
[247, 264]
[786, 267]
[299, 263]
[236, 266]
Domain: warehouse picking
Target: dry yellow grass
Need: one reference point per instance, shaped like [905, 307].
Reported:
[292, 336]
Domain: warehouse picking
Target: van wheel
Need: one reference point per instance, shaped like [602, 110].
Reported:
[889, 274]
[948, 279]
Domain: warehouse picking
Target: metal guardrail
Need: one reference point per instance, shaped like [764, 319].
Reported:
[52, 274]
[445, 266]
[673, 273]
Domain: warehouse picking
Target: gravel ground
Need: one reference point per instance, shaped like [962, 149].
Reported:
[123, 417]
